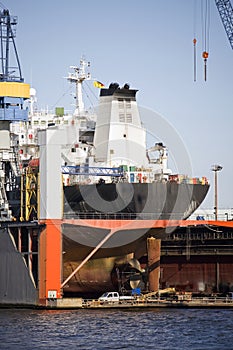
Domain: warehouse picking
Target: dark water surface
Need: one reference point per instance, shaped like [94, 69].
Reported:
[108, 329]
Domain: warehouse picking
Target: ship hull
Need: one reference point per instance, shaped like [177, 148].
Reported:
[158, 200]
[96, 276]
[137, 202]
[99, 273]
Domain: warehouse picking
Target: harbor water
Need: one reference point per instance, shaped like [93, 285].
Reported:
[116, 329]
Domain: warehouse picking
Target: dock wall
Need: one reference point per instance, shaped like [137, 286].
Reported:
[16, 284]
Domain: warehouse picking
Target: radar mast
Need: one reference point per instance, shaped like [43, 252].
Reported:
[78, 77]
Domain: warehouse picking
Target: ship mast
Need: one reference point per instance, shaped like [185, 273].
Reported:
[78, 77]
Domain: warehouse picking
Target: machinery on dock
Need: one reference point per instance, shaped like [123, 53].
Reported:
[18, 241]
[13, 92]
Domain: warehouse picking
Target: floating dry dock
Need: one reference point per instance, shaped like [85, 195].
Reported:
[29, 257]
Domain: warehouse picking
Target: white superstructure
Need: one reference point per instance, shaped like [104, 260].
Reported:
[120, 138]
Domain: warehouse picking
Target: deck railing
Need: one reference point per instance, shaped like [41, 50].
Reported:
[122, 216]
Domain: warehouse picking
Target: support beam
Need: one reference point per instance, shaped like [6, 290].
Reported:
[50, 261]
[153, 251]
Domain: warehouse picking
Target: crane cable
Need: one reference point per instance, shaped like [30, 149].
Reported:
[205, 33]
[194, 43]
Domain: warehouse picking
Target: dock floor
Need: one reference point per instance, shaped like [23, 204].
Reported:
[226, 303]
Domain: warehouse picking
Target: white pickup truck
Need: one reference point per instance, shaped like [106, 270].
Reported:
[115, 297]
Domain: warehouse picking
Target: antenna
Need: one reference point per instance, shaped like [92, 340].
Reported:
[78, 77]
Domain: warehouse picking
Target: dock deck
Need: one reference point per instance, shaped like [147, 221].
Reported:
[205, 302]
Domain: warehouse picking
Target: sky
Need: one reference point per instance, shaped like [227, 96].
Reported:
[148, 44]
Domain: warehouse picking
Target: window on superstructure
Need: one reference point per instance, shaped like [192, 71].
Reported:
[128, 118]
[122, 117]
[121, 103]
[125, 115]
[128, 103]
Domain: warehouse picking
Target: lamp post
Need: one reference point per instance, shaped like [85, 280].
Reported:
[216, 168]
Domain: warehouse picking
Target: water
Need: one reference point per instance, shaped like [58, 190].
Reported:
[108, 329]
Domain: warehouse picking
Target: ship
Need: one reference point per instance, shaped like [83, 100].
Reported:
[108, 173]
[113, 187]
[111, 184]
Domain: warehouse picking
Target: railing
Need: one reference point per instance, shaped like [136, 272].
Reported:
[135, 216]
[162, 302]
[203, 235]
[207, 216]
[212, 300]
[123, 216]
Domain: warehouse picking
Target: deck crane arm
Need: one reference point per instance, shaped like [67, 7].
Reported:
[226, 13]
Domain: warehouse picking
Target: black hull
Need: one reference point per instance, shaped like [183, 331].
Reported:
[154, 200]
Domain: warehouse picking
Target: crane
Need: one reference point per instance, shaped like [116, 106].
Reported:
[13, 90]
[13, 93]
[225, 10]
[226, 13]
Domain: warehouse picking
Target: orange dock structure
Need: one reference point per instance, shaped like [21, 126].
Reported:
[50, 246]
[50, 261]
[146, 223]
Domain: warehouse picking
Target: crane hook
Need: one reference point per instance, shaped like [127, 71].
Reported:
[205, 55]
[195, 58]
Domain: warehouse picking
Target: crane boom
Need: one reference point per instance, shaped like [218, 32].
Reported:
[226, 13]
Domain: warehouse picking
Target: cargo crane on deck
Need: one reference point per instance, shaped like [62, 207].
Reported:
[13, 92]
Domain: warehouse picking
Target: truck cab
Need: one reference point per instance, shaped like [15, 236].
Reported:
[110, 297]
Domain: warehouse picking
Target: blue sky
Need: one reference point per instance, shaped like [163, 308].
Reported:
[149, 45]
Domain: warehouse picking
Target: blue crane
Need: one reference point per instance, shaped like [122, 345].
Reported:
[13, 90]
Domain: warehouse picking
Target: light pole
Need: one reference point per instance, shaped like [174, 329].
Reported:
[216, 168]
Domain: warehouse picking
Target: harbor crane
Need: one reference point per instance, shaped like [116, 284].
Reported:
[13, 92]
[225, 10]
[226, 13]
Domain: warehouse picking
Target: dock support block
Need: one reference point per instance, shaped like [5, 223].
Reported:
[153, 251]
